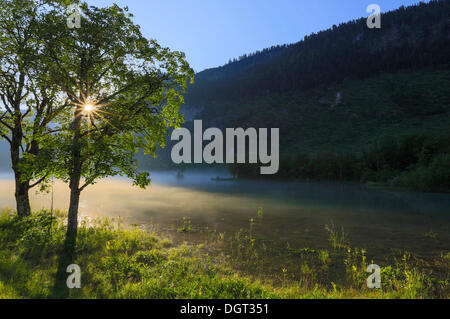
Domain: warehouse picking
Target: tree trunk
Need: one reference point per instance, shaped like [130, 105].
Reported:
[75, 176]
[22, 199]
[72, 222]
[22, 188]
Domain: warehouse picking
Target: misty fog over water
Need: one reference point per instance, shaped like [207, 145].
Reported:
[293, 212]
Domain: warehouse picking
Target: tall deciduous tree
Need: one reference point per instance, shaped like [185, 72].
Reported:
[126, 92]
[28, 102]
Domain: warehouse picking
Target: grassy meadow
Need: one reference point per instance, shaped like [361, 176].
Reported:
[119, 261]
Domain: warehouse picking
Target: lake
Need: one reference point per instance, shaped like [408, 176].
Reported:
[293, 213]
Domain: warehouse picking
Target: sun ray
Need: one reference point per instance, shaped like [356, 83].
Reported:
[90, 109]
[106, 120]
[105, 112]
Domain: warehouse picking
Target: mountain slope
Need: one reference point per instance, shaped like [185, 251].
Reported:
[352, 103]
[343, 87]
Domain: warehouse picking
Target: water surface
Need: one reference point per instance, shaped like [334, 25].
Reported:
[294, 213]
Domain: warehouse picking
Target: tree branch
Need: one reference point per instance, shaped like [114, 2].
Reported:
[6, 138]
[39, 181]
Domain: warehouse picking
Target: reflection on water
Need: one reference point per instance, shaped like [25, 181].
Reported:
[296, 213]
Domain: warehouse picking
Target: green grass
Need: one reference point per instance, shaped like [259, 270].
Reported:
[131, 263]
[338, 238]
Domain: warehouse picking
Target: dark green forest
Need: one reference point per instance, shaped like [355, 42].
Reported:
[410, 38]
[352, 103]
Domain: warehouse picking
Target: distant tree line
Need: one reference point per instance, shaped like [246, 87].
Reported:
[415, 161]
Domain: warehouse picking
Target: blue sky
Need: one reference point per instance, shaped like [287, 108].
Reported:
[211, 32]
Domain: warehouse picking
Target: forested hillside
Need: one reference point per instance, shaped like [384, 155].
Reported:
[410, 38]
[345, 98]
